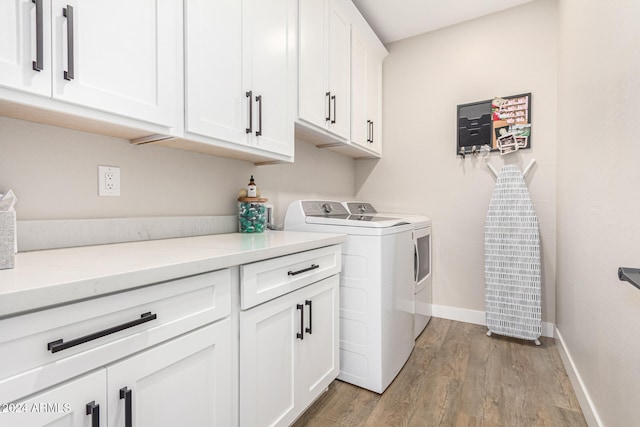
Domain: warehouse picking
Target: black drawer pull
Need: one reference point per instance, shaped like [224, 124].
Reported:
[249, 96]
[67, 12]
[309, 329]
[94, 410]
[328, 96]
[59, 345]
[300, 335]
[294, 273]
[38, 64]
[333, 98]
[127, 395]
[259, 101]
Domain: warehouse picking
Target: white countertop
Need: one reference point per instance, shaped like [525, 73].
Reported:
[51, 277]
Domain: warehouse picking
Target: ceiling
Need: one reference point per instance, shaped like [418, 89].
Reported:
[394, 20]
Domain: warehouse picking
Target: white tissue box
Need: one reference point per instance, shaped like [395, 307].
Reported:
[7, 239]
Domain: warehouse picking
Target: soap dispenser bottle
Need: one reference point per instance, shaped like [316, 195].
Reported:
[252, 189]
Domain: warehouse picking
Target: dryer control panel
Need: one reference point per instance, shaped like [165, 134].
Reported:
[323, 208]
[362, 208]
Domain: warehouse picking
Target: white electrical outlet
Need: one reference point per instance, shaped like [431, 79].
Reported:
[108, 181]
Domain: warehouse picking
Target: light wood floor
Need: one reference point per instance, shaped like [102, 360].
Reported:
[458, 376]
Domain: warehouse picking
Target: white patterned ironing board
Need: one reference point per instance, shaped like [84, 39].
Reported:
[512, 260]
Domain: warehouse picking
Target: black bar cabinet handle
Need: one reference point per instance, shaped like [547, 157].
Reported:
[368, 130]
[259, 101]
[309, 329]
[333, 98]
[328, 116]
[294, 273]
[59, 345]
[249, 96]
[94, 410]
[38, 63]
[371, 125]
[67, 12]
[126, 394]
[300, 334]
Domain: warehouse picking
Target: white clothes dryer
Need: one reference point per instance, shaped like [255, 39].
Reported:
[422, 274]
[376, 289]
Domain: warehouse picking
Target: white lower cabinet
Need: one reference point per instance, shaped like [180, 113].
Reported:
[160, 355]
[184, 382]
[288, 353]
[221, 348]
[80, 402]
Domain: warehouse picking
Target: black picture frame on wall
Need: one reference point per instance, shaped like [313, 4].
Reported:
[474, 125]
[483, 122]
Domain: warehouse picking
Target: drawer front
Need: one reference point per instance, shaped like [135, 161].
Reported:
[265, 280]
[100, 330]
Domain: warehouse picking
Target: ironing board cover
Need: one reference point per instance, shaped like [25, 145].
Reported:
[512, 259]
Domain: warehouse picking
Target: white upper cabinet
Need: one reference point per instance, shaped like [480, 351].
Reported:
[269, 47]
[339, 53]
[25, 46]
[374, 98]
[215, 104]
[119, 56]
[366, 85]
[324, 58]
[241, 72]
[236, 78]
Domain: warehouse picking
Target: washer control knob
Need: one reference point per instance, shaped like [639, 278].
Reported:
[326, 207]
[362, 208]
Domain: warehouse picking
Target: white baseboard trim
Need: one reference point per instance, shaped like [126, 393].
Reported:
[586, 404]
[476, 317]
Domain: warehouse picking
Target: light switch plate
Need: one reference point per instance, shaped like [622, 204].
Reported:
[108, 181]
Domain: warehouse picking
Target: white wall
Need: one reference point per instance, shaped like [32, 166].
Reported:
[598, 316]
[425, 77]
[54, 173]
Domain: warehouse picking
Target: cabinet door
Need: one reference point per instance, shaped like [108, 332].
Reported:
[287, 357]
[120, 56]
[318, 354]
[64, 405]
[216, 105]
[25, 35]
[339, 70]
[374, 100]
[313, 63]
[184, 382]
[269, 62]
[366, 108]
[267, 346]
[360, 125]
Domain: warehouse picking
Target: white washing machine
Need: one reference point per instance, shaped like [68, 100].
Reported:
[376, 289]
[422, 276]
